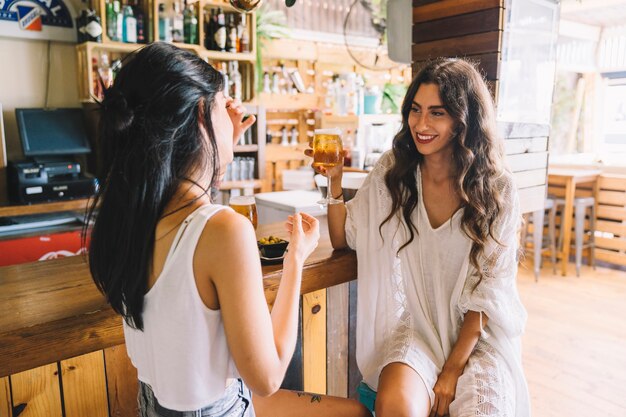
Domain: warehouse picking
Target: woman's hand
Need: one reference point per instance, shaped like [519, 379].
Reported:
[445, 390]
[305, 234]
[335, 172]
[236, 111]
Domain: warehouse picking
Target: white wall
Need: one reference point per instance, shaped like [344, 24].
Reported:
[23, 65]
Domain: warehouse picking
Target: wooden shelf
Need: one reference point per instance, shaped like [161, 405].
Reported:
[246, 148]
[111, 46]
[23, 210]
[217, 3]
[233, 185]
[301, 101]
[226, 56]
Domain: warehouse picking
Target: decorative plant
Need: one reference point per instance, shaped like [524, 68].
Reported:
[270, 24]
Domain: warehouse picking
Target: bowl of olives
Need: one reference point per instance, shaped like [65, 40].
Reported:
[272, 247]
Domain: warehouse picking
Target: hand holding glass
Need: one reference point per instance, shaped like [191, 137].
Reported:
[327, 153]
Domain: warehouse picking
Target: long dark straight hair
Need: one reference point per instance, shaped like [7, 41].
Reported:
[150, 139]
[478, 152]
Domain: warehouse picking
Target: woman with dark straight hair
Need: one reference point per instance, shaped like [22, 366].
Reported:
[435, 227]
[184, 272]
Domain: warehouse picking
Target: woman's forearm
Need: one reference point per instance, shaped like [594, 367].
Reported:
[337, 217]
[468, 337]
[285, 311]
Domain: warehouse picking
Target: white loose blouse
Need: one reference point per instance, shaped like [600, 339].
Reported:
[411, 304]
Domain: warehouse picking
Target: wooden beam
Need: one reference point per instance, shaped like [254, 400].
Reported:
[481, 43]
[447, 8]
[459, 25]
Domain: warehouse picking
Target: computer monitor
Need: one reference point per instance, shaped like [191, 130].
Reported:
[49, 132]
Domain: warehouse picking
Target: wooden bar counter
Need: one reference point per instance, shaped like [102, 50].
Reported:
[51, 310]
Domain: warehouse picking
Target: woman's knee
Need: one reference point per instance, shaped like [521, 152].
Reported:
[401, 392]
[398, 404]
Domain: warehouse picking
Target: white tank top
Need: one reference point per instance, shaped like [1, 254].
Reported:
[182, 352]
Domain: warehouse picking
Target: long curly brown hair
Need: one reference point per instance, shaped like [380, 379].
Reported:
[477, 152]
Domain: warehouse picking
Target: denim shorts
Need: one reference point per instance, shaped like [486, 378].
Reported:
[236, 402]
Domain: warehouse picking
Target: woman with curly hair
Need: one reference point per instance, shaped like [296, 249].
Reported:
[435, 228]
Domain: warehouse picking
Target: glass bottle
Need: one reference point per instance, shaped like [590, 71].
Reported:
[129, 29]
[119, 20]
[105, 71]
[110, 21]
[209, 29]
[266, 82]
[139, 16]
[177, 23]
[231, 40]
[235, 77]
[165, 25]
[243, 38]
[224, 72]
[220, 31]
[190, 25]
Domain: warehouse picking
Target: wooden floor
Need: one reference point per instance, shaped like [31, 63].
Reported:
[574, 348]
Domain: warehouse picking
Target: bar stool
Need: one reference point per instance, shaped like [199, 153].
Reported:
[541, 243]
[581, 205]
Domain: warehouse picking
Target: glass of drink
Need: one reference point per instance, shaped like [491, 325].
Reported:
[246, 206]
[327, 153]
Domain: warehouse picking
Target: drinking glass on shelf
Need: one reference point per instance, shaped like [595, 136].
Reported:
[246, 206]
[327, 153]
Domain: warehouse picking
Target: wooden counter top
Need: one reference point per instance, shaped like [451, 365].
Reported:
[52, 310]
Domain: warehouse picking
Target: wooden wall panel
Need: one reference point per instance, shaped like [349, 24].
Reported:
[39, 390]
[475, 44]
[448, 8]
[486, 63]
[5, 397]
[337, 343]
[314, 341]
[122, 383]
[84, 386]
[456, 26]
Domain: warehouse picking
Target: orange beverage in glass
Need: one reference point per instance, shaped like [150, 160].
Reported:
[327, 153]
[327, 149]
[246, 206]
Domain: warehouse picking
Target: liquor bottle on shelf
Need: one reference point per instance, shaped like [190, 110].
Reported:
[224, 71]
[97, 87]
[178, 24]
[266, 82]
[220, 31]
[129, 28]
[243, 37]
[294, 136]
[284, 138]
[140, 17]
[88, 25]
[209, 29]
[111, 22]
[190, 27]
[165, 24]
[235, 79]
[119, 20]
[105, 71]
[231, 31]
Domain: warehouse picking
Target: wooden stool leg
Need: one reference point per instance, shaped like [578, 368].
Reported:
[592, 237]
[552, 237]
[538, 217]
[579, 230]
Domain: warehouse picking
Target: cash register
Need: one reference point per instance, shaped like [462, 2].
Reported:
[51, 140]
